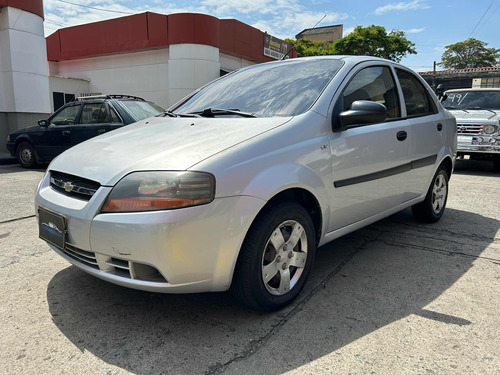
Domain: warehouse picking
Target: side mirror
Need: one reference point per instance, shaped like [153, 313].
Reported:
[363, 112]
[43, 123]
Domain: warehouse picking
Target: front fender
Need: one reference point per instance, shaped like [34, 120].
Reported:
[275, 180]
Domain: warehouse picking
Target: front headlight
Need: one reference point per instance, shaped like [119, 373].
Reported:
[152, 191]
[489, 129]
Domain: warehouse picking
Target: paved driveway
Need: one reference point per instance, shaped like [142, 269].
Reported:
[397, 297]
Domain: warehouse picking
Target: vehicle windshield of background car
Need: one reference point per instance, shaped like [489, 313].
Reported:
[473, 100]
[274, 89]
[142, 110]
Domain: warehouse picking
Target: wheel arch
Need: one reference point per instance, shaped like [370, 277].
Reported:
[307, 200]
[447, 164]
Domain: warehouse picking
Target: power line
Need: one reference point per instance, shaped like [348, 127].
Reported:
[487, 19]
[55, 23]
[89, 7]
[475, 27]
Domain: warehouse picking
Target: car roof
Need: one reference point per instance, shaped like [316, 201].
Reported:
[102, 98]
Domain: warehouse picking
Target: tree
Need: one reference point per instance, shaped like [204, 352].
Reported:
[375, 41]
[305, 47]
[471, 53]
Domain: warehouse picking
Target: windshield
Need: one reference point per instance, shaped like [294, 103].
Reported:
[473, 100]
[266, 90]
[142, 110]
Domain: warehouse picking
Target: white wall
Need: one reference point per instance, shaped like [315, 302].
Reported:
[24, 81]
[73, 86]
[231, 63]
[163, 76]
[143, 74]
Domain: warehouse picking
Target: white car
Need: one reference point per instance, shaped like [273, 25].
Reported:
[240, 182]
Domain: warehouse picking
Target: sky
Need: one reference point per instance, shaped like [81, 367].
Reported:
[430, 24]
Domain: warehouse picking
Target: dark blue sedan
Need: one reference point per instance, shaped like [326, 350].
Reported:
[76, 122]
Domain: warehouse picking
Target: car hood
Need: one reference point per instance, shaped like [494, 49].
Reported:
[475, 114]
[29, 129]
[158, 144]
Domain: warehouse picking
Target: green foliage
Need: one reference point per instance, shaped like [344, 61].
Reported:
[372, 41]
[375, 41]
[471, 53]
[306, 47]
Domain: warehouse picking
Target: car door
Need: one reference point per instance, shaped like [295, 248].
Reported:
[369, 162]
[93, 121]
[56, 137]
[425, 134]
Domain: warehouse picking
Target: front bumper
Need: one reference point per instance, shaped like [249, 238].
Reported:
[11, 147]
[472, 145]
[178, 251]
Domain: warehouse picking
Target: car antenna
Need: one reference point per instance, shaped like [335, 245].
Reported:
[293, 45]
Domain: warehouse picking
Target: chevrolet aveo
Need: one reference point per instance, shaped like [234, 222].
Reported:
[236, 186]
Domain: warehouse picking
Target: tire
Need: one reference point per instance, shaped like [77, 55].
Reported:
[25, 154]
[432, 208]
[276, 258]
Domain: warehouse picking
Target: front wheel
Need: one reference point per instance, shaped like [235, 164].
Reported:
[432, 208]
[26, 155]
[276, 258]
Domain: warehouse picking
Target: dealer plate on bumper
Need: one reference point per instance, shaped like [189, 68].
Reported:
[52, 227]
[464, 139]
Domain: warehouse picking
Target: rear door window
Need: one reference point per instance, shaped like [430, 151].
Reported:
[94, 113]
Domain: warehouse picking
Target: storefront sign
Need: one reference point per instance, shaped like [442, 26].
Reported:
[274, 47]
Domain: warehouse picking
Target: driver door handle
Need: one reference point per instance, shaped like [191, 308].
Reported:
[401, 135]
[66, 132]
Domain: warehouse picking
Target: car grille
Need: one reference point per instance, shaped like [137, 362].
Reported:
[469, 129]
[85, 257]
[73, 186]
[115, 266]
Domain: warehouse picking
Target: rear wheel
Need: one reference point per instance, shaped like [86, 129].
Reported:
[432, 208]
[26, 155]
[276, 258]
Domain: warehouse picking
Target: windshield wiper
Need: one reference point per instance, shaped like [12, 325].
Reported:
[450, 107]
[172, 114]
[212, 112]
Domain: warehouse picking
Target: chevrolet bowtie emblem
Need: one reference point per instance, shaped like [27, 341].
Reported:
[68, 187]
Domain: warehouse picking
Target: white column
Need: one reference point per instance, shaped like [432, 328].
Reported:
[24, 70]
[190, 66]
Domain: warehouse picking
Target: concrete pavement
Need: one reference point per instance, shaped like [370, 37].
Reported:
[397, 297]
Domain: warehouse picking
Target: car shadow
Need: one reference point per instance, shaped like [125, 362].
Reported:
[16, 168]
[359, 283]
[474, 167]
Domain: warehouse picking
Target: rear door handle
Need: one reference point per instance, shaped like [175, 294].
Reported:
[66, 132]
[401, 136]
[439, 127]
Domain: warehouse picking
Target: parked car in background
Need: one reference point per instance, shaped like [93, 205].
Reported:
[76, 122]
[477, 111]
[236, 186]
